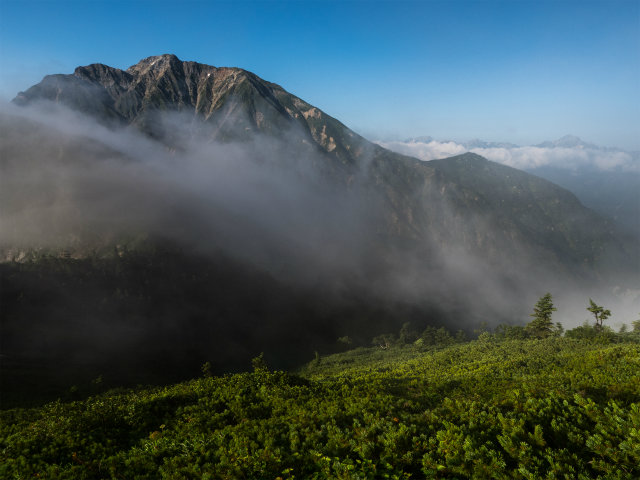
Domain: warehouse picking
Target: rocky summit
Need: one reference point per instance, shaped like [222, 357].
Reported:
[231, 103]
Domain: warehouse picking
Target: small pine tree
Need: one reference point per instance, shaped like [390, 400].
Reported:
[599, 313]
[636, 326]
[541, 326]
[206, 370]
[258, 363]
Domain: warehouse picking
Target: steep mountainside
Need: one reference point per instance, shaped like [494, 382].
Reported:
[527, 208]
[612, 193]
[419, 199]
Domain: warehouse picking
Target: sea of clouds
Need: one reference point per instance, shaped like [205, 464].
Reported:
[569, 153]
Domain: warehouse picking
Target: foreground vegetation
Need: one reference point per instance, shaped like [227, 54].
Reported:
[491, 408]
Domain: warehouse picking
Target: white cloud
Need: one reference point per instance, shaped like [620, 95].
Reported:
[425, 150]
[524, 158]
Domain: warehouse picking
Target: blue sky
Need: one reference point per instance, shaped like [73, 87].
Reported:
[516, 71]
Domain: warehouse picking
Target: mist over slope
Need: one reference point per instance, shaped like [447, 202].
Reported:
[183, 212]
[192, 108]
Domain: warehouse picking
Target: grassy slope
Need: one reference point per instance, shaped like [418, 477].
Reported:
[556, 408]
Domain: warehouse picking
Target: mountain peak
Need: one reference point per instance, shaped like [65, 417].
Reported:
[568, 141]
[569, 138]
[157, 62]
[469, 157]
[227, 103]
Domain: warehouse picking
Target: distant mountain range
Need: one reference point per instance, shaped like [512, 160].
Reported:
[567, 141]
[474, 143]
[208, 205]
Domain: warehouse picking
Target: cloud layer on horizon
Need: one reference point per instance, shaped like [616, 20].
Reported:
[524, 158]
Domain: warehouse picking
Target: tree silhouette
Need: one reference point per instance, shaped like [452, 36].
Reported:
[599, 312]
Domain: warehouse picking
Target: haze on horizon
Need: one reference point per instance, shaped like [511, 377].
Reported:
[521, 72]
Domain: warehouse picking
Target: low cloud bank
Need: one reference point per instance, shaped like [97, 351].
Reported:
[574, 156]
[66, 181]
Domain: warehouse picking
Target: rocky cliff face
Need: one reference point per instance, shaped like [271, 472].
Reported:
[228, 103]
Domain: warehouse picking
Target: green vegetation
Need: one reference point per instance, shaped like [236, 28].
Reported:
[492, 408]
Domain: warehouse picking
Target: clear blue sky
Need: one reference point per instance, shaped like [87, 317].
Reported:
[519, 71]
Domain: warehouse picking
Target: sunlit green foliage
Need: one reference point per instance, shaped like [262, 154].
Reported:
[551, 408]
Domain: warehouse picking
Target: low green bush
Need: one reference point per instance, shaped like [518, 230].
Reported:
[539, 408]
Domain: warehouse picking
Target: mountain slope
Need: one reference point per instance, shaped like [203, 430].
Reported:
[415, 198]
[243, 219]
[612, 193]
[546, 215]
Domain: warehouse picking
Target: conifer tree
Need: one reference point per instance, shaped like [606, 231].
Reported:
[541, 325]
[259, 364]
